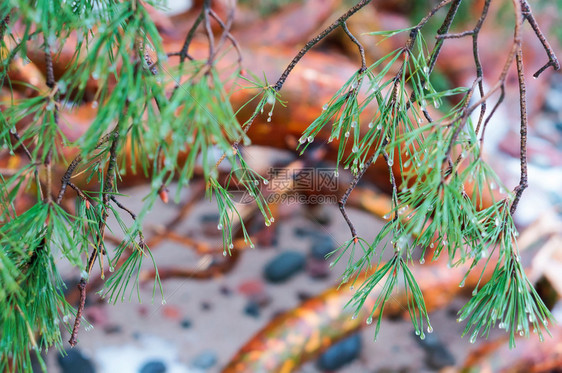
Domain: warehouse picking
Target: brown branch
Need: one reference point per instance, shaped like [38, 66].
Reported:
[226, 32]
[523, 110]
[316, 40]
[183, 53]
[359, 46]
[82, 289]
[552, 60]
[209, 31]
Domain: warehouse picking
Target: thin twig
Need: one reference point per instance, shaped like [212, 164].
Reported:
[183, 53]
[552, 60]
[226, 31]
[356, 42]
[316, 40]
[82, 289]
[523, 110]
[209, 31]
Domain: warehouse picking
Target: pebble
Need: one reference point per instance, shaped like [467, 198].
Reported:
[284, 266]
[340, 354]
[252, 309]
[437, 356]
[251, 287]
[75, 361]
[204, 360]
[322, 246]
[317, 268]
[171, 312]
[153, 366]
[186, 323]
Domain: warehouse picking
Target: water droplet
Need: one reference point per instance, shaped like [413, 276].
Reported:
[429, 329]
[336, 173]
[231, 246]
[497, 221]
[111, 269]
[355, 149]
[436, 104]
[432, 245]
[390, 162]
[269, 119]
[354, 317]
[65, 319]
[521, 333]
[422, 260]
[302, 140]
[461, 285]
[379, 127]
[164, 301]
[347, 134]
[265, 182]
[219, 227]
[272, 220]
[224, 253]
[95, 75]
[371, 125]
[354, 85]
[422, 336]
[351, 287]
[492, 185]
[473, 339]
[353, 124]
[474, 292]
[325, 107]
[310, 139]
[426, 70]
[94, 104]
[386, 216]
[369, 320]
[252, 246]
[330, 139]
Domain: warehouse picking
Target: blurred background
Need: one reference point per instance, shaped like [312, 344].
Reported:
[214, 305]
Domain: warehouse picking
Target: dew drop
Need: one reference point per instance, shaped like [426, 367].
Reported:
[390, 162]
[369, 320]
[474, 292]
[461, 285]
[429, 329]
[351, 287]
[386, 216]
[347, 134]
[95, 75]
[417, 332]
[521, 333]
[371, 125]
[269, 119]
[231, 246]
[436, 104]
[252, 246]
[65, 319]
[354, 317]
[325, 107]
[473, 339]
[302, 140]
[492, 185]
[354, 85]
[432, 245]
[219, 227]
[224, 253]
[353, 124]
[111, 269]
[267, 223]
[497, 222]
[379, 127]
[272, 220]
[336, 173]
[310, 139]
[422, 260]
[265, 182]
[164, 301]
[422, 336]
[330, 139]
[355, 149]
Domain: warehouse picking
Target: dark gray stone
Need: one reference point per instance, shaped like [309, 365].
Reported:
[437, 356]
[252, 309]
[340, 354]
[75, 361]
[321, 247]
[284, 266]
[153, 366]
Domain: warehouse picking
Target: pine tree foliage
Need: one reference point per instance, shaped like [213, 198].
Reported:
[158, 114]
